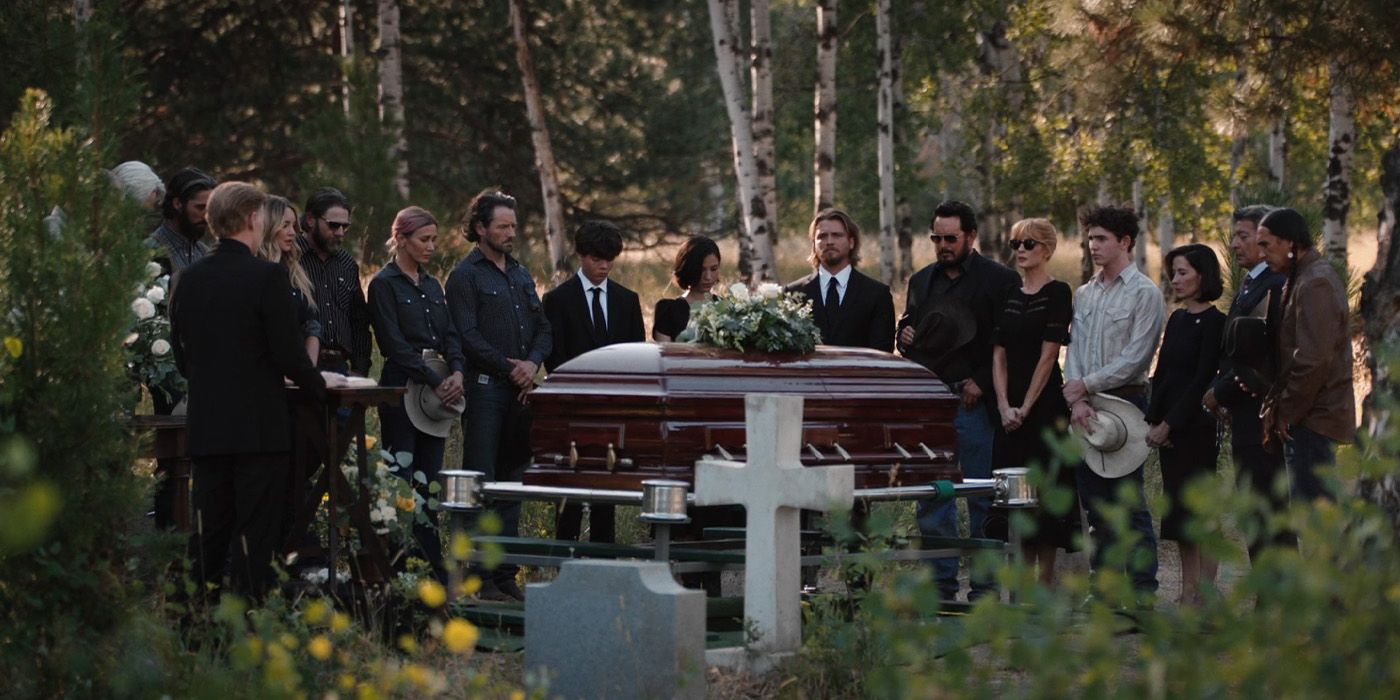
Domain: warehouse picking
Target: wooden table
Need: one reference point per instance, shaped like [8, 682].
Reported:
[323, 437]
[166, 441]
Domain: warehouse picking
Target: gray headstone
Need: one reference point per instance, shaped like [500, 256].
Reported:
[616, 629]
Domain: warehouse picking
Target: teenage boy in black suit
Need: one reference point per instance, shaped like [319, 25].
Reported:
[586, 312]
[850, 308]
[235, 337]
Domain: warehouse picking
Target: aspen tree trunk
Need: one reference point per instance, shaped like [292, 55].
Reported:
[345, 20]
[82, 12]
[1166, 236]
[884, 125]
[544, 150]
[824, 118]
[1140, 208]
[765, 233]
[1341, 138]
[903, 210]
[1086, 263]
[727, 61]
[1278, 151]
[1380, 309]
[1239, 128]
[391, 90]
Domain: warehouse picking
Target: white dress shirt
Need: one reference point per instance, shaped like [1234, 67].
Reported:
[842, 279]
[588, 295]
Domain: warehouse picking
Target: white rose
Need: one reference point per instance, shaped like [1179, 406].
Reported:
[156, 294]
[152, 270]
[769, 290]
[739, 291]
[131, 338]
[160, 348]
[143, 308]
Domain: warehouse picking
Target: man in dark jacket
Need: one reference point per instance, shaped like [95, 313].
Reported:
[1260, 296]
[586, 312]
[235, 339]
[962, 281]
[850, 308]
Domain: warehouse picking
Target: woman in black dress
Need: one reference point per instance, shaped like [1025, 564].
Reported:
[1184, 433]
[696, 270]
[1032, 324]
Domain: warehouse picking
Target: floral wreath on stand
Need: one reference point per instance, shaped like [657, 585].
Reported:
[766, 320]
[149, 357]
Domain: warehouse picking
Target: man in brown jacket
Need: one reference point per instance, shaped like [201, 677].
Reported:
[1312, 405]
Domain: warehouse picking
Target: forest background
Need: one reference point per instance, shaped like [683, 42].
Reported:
[1022, 108]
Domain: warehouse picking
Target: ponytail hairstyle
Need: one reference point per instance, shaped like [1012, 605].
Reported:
[406, 223]
[1287, 224]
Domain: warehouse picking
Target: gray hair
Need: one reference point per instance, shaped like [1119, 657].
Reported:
[138, 181]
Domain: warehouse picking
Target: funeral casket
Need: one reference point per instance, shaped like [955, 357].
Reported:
[615, 416]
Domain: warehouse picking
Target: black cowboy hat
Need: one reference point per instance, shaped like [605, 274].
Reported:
[945, 326]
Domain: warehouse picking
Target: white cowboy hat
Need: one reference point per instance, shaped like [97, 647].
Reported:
[1118, 444]
[425, 410]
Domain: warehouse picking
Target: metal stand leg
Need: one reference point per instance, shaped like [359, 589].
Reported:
[663, 542]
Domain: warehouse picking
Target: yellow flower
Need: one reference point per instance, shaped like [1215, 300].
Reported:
[517, 695]
[460, 636]
[320, 647]
[370, 442]
[288, 640]
[408, 643]
[470, 586]
[432, 593]
[346, 682]
[461, 546]
[14, 346]
[340, 622]
[315, 613]
[405, 503]
[416, 675]
[365, 691]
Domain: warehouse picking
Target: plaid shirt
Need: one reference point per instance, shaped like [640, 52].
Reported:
[175, 252]
[341, 303]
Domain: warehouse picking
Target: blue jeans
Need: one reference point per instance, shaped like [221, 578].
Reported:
[427, 450]
[1303, 453]
[496, 442]
[975, 436]
[1095, 492]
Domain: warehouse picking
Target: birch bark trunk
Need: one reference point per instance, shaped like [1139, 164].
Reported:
[824, 127]
[391, 110]
[1380, 309]
[884, 125]
[1166, 236]
[1341, 137]
[345, 22]
[1278, 152]
[765, 234]
[560, 266]
[723, 15]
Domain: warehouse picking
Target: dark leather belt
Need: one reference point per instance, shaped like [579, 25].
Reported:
[1131, 391]
[331, 355]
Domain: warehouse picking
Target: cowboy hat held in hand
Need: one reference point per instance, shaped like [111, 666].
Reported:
[425, 410]
[1115, 441]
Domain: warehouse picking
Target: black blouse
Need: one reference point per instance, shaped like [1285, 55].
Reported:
[1187, 363]
[670, 318]
[409, 318]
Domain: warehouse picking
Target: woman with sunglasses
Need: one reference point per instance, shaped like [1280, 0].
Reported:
[1031, 325]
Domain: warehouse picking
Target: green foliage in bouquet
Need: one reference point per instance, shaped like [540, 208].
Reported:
[149, 357]
[766, 320]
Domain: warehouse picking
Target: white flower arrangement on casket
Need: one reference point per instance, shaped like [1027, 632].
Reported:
[765, 320]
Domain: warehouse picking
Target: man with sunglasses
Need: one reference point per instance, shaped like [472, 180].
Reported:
[335, 277]
[961, 283]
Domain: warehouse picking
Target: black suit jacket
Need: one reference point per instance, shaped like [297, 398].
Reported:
[1245, 426]
[235, 337]
[865, 318]
[567, 308]
[985, 285]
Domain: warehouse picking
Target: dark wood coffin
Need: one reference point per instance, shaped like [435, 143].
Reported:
[624, 413]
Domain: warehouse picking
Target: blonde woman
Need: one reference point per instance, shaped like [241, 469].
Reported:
[279, 245]
[1032, 324]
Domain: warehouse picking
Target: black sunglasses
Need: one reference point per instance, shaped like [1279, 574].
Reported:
[1027, 243]
[337, 224]
[949, 238]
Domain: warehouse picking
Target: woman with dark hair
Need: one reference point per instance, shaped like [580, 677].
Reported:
[280, 246]
[408, 310]
[1184, 433]
[696, 270]
[1031, 325]
[1312, 404]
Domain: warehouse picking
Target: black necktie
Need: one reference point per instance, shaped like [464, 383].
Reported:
[833, 297]
[600, 324]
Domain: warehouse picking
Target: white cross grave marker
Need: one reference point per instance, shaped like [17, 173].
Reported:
[772, 487]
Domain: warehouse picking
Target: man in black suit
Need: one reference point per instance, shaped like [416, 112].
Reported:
[586, 312]
[1236, 393]
[850, 308]
[235, 337]
[960, 281]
